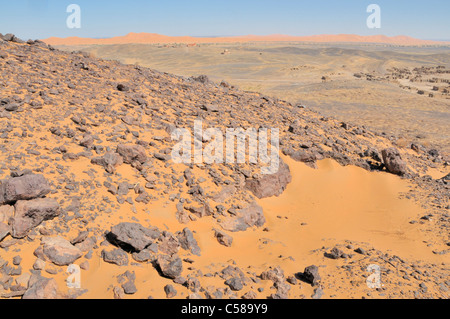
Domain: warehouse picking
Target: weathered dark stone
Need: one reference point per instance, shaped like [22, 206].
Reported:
[311, 275]
[132, 153]
[24, 187]
[41, 288]
[270, 185]
[250, 216]
[170, 266]
[60, 251]
[188, 242]
[116, 256]
[29, 214]
[393, 161]
[223, 238]
[109, 161]
[132, 237]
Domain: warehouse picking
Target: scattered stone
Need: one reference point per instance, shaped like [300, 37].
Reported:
[115, 256]
[170, 291]
[188, 242]
[311, 275]
[170, 266]
[223, 238]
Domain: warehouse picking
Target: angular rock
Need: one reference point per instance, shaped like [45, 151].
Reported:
[4, 231]
[60, 251]
[132, 153]
[170, 266]
[235, 284]
[393, 161]
[24, 187]
[127, 279]
[270, 185]
[335, 253]
[188, 242]
[41, 288]
[168, 243]
[29, 214]
[305, 156]
[116, 256]
[6, 212]
[311, 275]
[109, 161]
[170, 291]
[274, 274]
[223, 238]
[132, 237]
[250, 216]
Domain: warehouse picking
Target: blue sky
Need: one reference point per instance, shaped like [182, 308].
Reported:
[426, 19]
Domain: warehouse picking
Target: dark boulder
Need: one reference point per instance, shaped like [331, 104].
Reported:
[393, 161]
[272, 184]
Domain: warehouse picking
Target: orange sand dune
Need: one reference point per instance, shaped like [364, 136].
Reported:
[149, 38]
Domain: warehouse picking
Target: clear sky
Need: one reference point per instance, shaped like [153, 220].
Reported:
[424, 19]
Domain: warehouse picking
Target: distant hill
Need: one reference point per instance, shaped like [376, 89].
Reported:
[149, 38]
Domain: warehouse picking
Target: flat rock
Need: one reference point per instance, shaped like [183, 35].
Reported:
[116, 256]
[60, 251]
[23, 188]
[132, 237]
[249, 216]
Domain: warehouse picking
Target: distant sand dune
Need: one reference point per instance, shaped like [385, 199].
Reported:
[148, 38]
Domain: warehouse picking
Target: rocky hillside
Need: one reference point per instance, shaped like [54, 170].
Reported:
[87, 177]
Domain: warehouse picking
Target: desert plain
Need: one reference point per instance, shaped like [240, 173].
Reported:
[88, 180]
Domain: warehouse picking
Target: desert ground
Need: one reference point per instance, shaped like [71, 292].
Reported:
[375, 85]
[86, 176]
